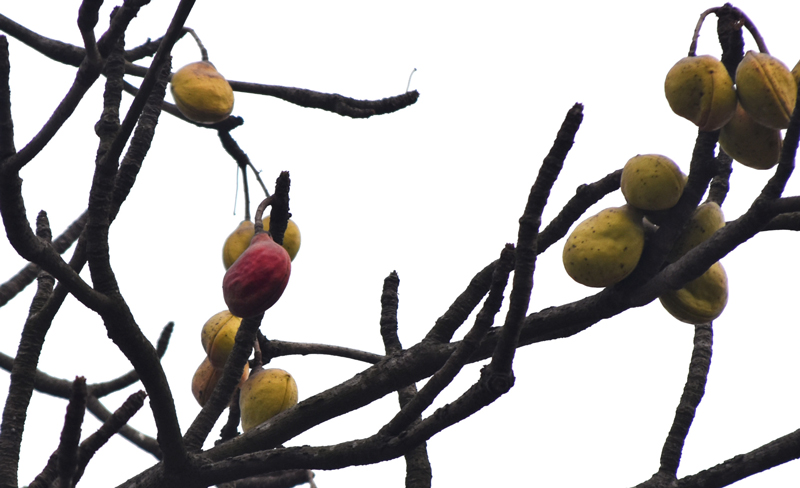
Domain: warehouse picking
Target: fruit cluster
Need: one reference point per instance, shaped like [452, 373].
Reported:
[605, 248]
[750, 113]
[257, 268]
[257, 273]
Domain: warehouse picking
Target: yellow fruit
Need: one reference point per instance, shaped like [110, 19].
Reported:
[701, 300]
[767, 90]
[796, 73]
[605, 248]
[239, 239]
[201, 93]
[264, 395]
[699, 88]
[205, 380]
[707, 219]
[749, 142]
[237, 242]
[291, 238]
[218, 336]
[652, 182]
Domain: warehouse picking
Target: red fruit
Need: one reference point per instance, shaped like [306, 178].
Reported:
[256, 280]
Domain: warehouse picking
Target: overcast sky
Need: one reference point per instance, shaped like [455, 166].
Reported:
[433, 192]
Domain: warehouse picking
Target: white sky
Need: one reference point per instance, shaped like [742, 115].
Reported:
[433, 191]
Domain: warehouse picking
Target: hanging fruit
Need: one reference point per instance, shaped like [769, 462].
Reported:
[257, 279]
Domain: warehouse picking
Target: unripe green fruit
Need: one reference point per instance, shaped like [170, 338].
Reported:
[201, 93]
[218, 336]
[205, 379]
[706, 219]
[605, 248]
[699, 88]
[701, 300]
[652, 182]
[750, 143]
[240, 238]
[767, 90]
[264, 395]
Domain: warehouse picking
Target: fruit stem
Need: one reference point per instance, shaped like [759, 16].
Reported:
[203, 52]
[258, 359]
[246, 193]
[693, 46]
[258, 223]
[751, 27]
[743, 20]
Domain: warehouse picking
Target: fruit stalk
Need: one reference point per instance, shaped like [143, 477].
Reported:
[203, 51]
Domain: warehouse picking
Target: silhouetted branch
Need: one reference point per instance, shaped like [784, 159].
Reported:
[71, 433]
[418, 465]
[692, 394]
[780, 451]
[140, 440]
[26, 275]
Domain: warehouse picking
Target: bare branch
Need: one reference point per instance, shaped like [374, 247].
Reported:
[71, 434]
[692, 394]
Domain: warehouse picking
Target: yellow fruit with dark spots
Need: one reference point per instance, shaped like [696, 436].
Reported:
[750, 143]
[652, 182]
[699, 88]
[767, 90]
[706, 219]
[201, 93]
[605, 248]
[264, 395]
[701, 300]
[218, 336]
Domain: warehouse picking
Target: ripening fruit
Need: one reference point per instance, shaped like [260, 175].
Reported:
[699, 88]
[652, 182]
[201, 93]
[239, 239]
[796, 73]
[291, 238]
[701, 300]
[256, 280]
[264, 395]
[205, 380]
[605, 248]
[218, 336]
[706, 219]
[767, 90]
[750, 143]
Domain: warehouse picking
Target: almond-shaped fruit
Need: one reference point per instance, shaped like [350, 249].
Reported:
[240, 238]
[652, 182]
[706, 219]
[218, 336]
[201, 93]
[205, 379]
[699, 88]
[265, 394]
[701, 300]
[750, 143]
[767, 90]
[257, 279]
[605, 248]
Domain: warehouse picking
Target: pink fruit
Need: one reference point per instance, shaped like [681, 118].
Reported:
[256, 280]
